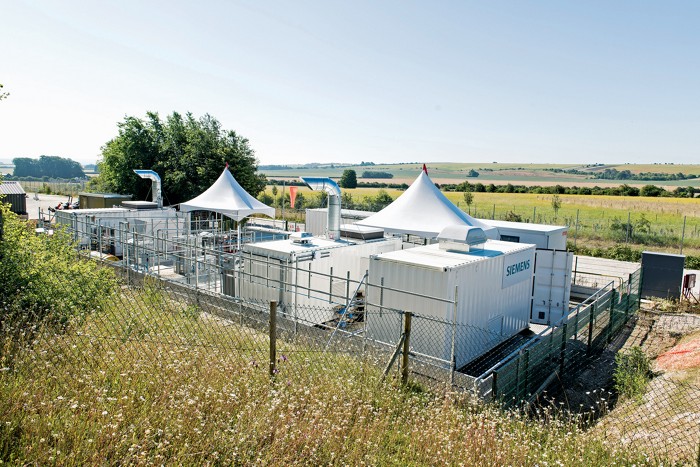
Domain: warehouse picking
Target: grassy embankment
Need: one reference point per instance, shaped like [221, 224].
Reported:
[142, 384]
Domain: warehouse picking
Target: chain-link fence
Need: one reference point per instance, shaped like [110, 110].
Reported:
[562, 348]
[152, 325]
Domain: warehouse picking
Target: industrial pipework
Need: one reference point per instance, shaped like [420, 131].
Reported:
[333, 190]
[155, 184]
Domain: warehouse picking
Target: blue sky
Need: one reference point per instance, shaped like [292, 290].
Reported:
[389, 81]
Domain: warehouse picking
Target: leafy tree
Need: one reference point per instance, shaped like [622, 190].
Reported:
[376, 174]
[651, 190]
[188, 154]
[556, 204]
[47, 166]
[472, 173]
[468, 197]
[348, 179]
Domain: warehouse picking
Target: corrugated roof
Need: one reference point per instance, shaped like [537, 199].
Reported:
[11, 188]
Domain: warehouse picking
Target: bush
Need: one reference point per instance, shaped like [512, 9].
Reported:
[39, 275]
[632, 372]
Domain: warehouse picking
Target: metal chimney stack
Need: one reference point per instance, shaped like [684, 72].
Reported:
[333, 190]
[155, 184]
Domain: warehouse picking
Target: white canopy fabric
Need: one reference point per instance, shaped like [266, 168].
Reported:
[227, 197]
[424, 211]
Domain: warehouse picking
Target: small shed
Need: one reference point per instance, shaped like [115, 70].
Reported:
[101, 200]
[13, 193]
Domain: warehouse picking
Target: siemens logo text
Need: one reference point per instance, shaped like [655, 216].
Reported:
[517, 267]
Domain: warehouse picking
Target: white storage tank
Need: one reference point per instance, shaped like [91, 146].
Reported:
[490, 280]
[308, 274]
[550, 237]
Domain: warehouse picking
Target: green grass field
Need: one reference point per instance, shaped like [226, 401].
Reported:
[596, 216]
[524, 174]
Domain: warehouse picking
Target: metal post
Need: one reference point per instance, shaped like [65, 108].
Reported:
[627, 237]
[453, 360]
[273, 337]
[407, 338]
[590, 327]
[330, 286]
[683, 235]
[562, 356]
[196, 266]
[365, 317]
[526, 376]
[611, 322]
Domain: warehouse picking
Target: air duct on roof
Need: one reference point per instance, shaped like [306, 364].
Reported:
[155, 184]
[461, 238]
[333, 190]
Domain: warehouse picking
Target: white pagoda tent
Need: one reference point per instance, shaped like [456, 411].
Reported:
[227, 197]
[424, 211]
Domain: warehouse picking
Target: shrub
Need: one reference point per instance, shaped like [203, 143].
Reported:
[39, 276]
[632, 372]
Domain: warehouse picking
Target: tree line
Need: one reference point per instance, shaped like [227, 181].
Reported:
[622, 190]
[47, 166]
[614, 174]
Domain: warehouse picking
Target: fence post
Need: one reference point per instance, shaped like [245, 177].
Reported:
[590, 326]
[273, 337]
[453, 360]
[682, 236]
[526, 368]
[494, 385]
[611, 324]
[563, 350]
[406, 341]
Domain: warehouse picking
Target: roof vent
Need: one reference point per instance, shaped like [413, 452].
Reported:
[462, 238]
[301, 238]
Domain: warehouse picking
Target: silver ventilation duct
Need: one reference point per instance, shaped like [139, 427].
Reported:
[333, 190]
[155, 184]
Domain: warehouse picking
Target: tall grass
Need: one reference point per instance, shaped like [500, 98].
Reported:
[139, 384]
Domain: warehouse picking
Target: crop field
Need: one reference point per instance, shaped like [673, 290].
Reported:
[602, 220]
[521, 174]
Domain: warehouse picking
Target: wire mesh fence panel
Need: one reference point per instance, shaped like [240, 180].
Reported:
[663, 421]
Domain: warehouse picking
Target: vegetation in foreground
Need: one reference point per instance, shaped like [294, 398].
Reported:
[79, 399]
[142, 380]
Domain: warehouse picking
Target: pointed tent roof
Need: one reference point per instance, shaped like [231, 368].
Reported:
[424, 211]
[227, 197]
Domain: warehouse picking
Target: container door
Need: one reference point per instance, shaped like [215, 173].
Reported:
[551, 286]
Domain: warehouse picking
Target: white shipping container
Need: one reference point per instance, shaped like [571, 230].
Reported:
[492, 288]
[551, 237]
[551, 289]
[308, 279]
